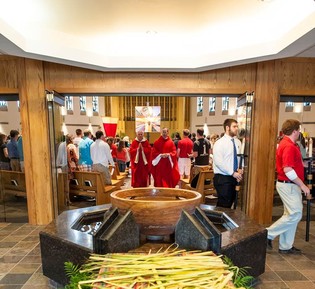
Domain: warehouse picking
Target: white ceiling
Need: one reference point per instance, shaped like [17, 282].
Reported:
[157, 35]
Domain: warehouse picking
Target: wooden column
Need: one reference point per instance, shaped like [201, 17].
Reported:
[35, 141]
[263, 143]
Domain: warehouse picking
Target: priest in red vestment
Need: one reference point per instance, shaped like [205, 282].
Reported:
[140, 158]
[164, 162]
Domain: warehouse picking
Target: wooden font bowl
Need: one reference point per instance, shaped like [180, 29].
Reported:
[156, 210]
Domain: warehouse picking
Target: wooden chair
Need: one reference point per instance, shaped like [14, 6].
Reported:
[117, 179]
[91, 184]
[119, 173]
[184, 183]
[13, 182]
[198, 169]
[204, 185]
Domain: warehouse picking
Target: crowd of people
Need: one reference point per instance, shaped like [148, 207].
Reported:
[167, 160]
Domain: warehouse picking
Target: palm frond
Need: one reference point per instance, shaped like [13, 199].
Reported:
[71, 269]
[240, 275]
[75, 276]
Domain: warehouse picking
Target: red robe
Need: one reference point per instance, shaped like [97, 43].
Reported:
[140, 159]
[165, 171]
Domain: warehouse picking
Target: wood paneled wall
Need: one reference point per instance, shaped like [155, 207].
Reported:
[297, 76]
[8, 74]
[72, 79]
[267, 80]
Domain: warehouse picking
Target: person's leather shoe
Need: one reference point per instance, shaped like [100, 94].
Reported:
[269, 244]
[293, 250]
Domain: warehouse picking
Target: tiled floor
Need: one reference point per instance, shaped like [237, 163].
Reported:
[291, 271]
[20, 261]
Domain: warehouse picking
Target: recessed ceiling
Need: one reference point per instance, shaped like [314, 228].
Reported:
[157, 35]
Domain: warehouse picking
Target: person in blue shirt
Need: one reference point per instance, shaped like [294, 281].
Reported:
[13, 151]
[20, 150]
[85, 161]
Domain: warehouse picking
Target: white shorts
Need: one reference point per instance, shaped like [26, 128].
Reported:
[184, 166]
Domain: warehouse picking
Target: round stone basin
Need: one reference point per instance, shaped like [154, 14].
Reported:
[156, 210]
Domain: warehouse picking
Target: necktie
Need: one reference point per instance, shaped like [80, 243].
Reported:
[235, 167]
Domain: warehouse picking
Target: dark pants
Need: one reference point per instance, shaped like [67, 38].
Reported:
[225, 187]
[121, 166]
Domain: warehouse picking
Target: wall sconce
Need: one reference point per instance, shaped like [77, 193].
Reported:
[64, 129]
[232, 111]
[205, 130]
[90, 128]
[298, 107]
[63, 111]
[89, 113]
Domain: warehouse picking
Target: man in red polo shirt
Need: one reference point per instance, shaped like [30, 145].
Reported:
[289, 185]
[184, 153]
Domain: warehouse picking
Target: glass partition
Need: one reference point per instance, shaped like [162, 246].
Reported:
[59, 167]
[244, 118]
[13, 196]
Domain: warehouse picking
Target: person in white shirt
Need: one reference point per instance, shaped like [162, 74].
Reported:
[101, 157]
[225, 164]
[76, 141]
[62, 161]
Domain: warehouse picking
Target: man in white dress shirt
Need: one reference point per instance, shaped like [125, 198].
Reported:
[101, 157]
[225, 164]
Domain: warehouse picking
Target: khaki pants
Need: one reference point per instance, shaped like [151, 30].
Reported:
[104, 173]
[15, 165]
[285, 227]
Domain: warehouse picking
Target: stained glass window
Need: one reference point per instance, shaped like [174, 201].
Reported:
[225, 103]
[289, 104]
[307, 106]
[199, 104]
[3, 103]
[212, 101]
[83, 103]
[69, 103]
[95, 103]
